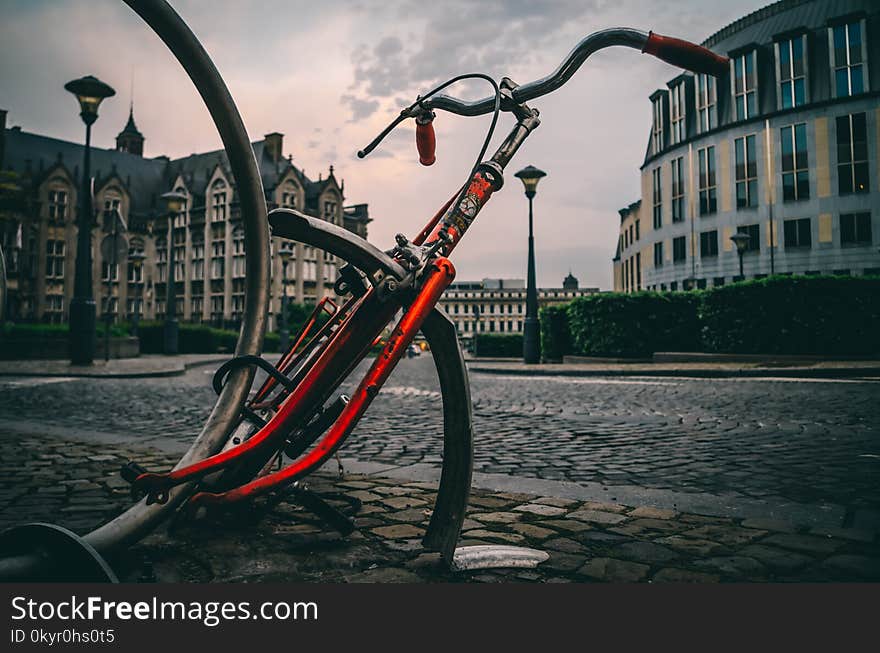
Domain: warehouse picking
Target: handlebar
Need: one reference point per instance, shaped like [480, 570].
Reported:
[675, 51]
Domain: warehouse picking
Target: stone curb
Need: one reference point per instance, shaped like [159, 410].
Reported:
[752, 372]
[176, 368]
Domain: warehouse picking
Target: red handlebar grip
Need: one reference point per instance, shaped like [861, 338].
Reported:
[685, 54]
[426, 143]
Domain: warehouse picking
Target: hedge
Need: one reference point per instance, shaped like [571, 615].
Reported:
[500, 345]
[794, 315]
[196, 339]
[37, 330]
[776, 315]
[637, 324]
[555, 334]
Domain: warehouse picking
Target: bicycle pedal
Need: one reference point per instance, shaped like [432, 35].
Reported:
[130, 471]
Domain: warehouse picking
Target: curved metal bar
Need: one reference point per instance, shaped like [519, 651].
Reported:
[458, 436]
[141, 518]
[288, 223]
[631, 38]
[2, 287]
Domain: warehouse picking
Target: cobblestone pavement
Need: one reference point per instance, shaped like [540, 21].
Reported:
[807, 441]
[76, 484]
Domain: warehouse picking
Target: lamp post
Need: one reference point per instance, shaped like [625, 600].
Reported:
[284, 333]
[90, 92]
[530, 176]
[741, 240]
[476, 327]
[173, 202]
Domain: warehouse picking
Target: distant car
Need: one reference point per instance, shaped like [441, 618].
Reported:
[413, 350]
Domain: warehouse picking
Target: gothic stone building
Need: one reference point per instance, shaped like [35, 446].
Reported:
[40, 179]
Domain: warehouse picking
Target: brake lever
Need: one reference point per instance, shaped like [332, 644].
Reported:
[415, 110]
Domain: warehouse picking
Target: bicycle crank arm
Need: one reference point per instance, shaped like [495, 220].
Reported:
[438, 278]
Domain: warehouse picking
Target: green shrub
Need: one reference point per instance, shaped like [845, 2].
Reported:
[634, 325]
[794, 315]
[499, 345]
[555, 333]
[23, 330]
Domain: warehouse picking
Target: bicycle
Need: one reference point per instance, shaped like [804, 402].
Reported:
[295, 413]
[410, 277]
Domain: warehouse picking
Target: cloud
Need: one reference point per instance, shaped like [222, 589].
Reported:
[360, 108]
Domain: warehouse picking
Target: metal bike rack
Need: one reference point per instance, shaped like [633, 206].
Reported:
[44, 551]
[140, 519]
[2, 287]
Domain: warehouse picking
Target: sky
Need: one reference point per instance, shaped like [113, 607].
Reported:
[331, 75]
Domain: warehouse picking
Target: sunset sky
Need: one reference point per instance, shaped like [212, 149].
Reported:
[330, 75]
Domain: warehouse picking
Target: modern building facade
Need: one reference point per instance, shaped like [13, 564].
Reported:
[499, 305]
[38, 202]
[784, 149]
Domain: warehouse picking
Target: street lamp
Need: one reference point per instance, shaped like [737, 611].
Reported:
[284, 334]
[741, 240]
[476, 327]
[173, 203]
[89, 91]
[530, 176]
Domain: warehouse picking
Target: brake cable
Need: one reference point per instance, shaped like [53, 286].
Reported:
[410, 112]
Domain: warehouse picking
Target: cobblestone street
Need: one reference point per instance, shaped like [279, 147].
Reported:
[618, 479]
[805, 441]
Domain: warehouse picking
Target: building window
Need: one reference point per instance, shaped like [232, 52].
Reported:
[218, 201]
[792, 71]
[638, 271]
[746, 172]
[161, 260]
[848, 58]
[637, 229]
[679, 249]
[197, 305]
[677, 189]
[677, 114]
[797, 233]
[238, 255]
[54, 259]
[658, 255]
[657, 124]
[707, 184]
[288, 195]
[855, 228]
[109, 272]
[708, 244]
[54, 308]
[112, 205]
[180, 215]
[198, 261]
[218, 254]
[658, 199]
[135, 273]
[852, 154]
[330, 211]
[745, 86]
[795, 176]
[707, 101]
[217, 308]
[753, 231]
[57, 205]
